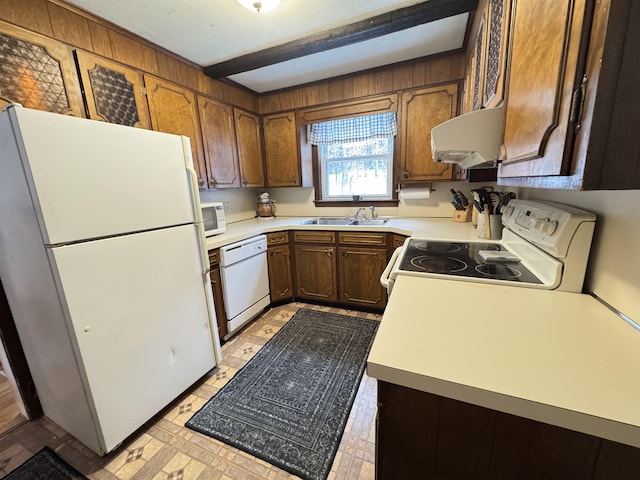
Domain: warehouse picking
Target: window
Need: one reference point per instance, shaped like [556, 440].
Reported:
[355, 157]
[357, 168]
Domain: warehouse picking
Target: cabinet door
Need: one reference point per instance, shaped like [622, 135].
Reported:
[281, 150]
[173, 110]
[218, 299]
[545, 69]
[249, 143]
[359, 271]
[114, 93]
[423, 109]
[219, 139]
[280, 283]
[316, 272]
[38, 73]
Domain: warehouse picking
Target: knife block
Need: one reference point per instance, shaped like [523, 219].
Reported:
[462, 215]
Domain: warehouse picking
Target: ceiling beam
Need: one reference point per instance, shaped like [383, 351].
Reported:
[373, 27]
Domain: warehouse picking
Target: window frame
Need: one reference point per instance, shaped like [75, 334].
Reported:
[322, 163]
[320, 202]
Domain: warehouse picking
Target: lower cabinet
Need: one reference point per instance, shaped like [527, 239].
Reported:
[216, 287]
[341, 267]
[315, 264]
[426, 436]
[279, 262]
[362, 258]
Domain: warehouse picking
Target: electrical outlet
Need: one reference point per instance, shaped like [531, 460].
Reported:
[226, 207]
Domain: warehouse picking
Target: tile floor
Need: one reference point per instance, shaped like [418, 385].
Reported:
[165, 450]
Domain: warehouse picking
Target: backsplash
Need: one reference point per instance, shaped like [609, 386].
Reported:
[614, 271]
[300, 202]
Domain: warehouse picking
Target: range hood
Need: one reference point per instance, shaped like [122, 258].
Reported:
[470, 139]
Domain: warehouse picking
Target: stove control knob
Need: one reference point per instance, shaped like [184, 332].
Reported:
[508, 210]
[546, 226]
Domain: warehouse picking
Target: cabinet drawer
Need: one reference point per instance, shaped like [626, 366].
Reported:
[398, 240]
[214, 258]
[277, 238]
[314, 237]
[348, 238]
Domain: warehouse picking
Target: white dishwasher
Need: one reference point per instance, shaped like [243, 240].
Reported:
[245, 281]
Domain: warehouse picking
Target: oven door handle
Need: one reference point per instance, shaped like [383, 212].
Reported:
[385, 277]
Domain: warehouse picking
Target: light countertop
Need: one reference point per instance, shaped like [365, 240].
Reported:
[556, 357]
[443, 228]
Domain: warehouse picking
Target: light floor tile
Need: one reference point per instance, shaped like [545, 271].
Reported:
[166, 450]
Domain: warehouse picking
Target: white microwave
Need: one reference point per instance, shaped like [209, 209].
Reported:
[213, 218]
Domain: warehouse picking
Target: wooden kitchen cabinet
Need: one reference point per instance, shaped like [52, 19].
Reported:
[421, 110]
[38, 73]
[249, 141]
[570, 118]
[113, 93]
[315, 266]
[287, 151]
[397, 240]
[219, 139]
[216, 287]
[362, 258]
[427, 436]
[173, 109]
[279, 262]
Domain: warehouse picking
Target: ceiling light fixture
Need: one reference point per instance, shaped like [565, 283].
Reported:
[261, 6]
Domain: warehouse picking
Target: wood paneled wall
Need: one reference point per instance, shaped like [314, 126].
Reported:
[79, 29]
[402, 76]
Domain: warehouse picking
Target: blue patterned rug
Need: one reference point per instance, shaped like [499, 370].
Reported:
[45, 464]
[289, 404]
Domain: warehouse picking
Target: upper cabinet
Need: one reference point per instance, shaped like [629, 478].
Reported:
[37, 72]
[249, 141]
[218, 132]
[173, 110]
[232, 145]
[287, 151]
[421, 110]
[572, 89]
[113, 93]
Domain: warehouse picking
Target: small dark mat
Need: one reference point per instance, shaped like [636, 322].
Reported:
[290, 403]
[45, 465]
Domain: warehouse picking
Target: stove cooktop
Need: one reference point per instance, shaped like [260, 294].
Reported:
[462, 260]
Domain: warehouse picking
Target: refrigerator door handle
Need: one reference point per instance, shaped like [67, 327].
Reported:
[204, 256]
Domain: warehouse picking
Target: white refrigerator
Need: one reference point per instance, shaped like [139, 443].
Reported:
[103, 261]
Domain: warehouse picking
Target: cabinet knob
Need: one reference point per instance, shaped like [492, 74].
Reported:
[405, 175]
[294, 181]
[244, 181]
[200, 183]
[212, 181]
[330, 253]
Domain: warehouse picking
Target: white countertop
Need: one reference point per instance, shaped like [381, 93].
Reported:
[556, 357]
[443, 228]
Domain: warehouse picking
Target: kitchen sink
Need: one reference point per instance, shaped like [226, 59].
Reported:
[377, 221]
[343, 221]
[327, 221]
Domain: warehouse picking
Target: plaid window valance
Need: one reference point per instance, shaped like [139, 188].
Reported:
[354, 129]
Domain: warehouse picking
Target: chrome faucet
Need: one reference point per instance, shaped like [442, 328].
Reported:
[373, 212]
[355, 216]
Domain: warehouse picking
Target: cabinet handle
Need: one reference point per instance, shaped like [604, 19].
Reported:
[330, 253]
[294, 181]
[406, 175]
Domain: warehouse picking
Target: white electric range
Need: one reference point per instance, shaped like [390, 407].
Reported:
[544, 245]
